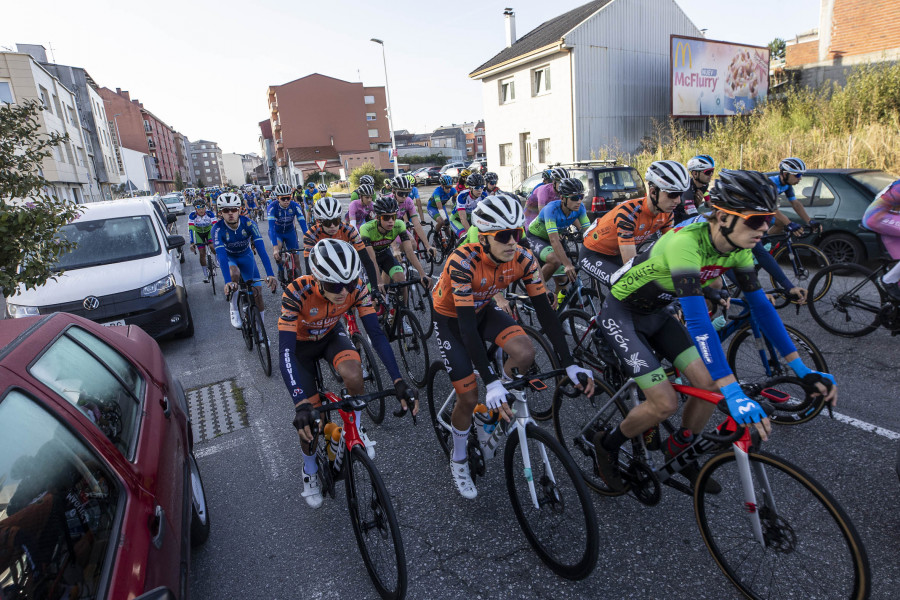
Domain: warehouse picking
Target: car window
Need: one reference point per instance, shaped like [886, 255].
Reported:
[874, 181]
[618, 180]
[584, 177]
[824, 195]
[105, 241]
[103, 388]
[58, 506]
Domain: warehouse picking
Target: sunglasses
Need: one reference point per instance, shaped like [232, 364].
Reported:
[445, 186]
[402, 194]
[330, 222]
[388, 217]
[578, 197]
[283, 198]
[673, 195]
[480, 187]
[228, 211]
[337, 288]
[708, 171]
[505, 235]
[754, 221]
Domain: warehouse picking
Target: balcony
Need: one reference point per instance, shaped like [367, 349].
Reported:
[147, 127]
[151, 144]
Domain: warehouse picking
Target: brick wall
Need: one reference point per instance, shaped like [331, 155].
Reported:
[863, 26]
[802, 53]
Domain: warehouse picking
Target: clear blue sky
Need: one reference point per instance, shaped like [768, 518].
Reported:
[204, 66]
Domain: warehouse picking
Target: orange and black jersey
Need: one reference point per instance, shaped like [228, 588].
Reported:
[629, 224]
[344, 233]
[308, 314]
[470, 278]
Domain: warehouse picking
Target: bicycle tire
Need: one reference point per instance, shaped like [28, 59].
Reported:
[849, 299]
[590, 301]
[261, 337]
[808, 257]
[540, 404]
[789, 558]
[437, 376]
[799, 409]
[244, 310]
[413, 347]
[371, 376]
[570, 546]
[212, 275]
[374, 524]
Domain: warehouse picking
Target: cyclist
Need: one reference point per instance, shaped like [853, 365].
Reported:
[321, 192]
[327, 215]
[360, 211]
[461, 180]
[250, 199]
[543, 195]
[442, 194]
[386, 187]
[310, 329]
[200, 224]
[232, 237]
[701, 168]
[466, 201]
[414, 194]
[634, 319]
[309, 192]
[363, 180]
[546, 177]
[281, 214]
[490, 180]
[543, 232]
[883, 217]
[378, 235]
[406, 209]
[790, 172]
[465, 317]
[615, 238]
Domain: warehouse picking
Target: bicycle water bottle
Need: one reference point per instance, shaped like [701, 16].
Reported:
[328, 431]
[483, 425]
[334, 442]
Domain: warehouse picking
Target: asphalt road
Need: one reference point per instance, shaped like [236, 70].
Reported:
[266, 543]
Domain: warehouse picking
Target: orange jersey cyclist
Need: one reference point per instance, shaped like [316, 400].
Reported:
[327, 214]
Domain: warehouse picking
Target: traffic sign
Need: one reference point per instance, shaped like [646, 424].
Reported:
[321, 164]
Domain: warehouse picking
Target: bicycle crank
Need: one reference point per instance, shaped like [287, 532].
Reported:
[644, 483]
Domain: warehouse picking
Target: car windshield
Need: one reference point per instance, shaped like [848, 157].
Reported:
[105, 241]
[171, 199]
[618, 180]
[874, 181]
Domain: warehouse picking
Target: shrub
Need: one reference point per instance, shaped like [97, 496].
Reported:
[367, 169]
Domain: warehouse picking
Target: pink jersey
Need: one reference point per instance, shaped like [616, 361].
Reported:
[539, 198]
[359, 214]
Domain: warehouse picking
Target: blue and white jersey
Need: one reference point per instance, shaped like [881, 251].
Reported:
[465, 201]
[783, 188]
[281, 220]
[235, 241]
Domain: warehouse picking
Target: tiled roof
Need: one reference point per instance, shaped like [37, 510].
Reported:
[544, 34]
[446, 131]
[310, 153]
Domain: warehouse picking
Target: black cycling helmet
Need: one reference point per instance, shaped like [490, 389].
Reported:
[475, 180]
[744, 191]
[491, 178]
[385, 205]
[570, 187]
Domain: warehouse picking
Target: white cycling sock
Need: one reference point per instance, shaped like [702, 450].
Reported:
[310, 467]
[892, 276]
[460, 438]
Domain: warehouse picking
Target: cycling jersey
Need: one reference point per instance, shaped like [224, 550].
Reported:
[318, 197]
[406, 208]
[629, 224]
[201, 225]
[381, 242]
[281, 220]
[359, 213]
[438, 199]
[460, 187]
[551, 219]
[233, 246]
[783, 188]
[540, 197]
[465, 201]
[344, 233]
[688, 206]
[308, 314]
[884, 219]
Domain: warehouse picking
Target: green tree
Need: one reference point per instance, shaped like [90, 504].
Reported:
[776, 49]
[30, 217]
[367, 169]
[179, 182]
[247, 178]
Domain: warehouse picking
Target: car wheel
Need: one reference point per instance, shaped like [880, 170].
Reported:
[842, 248]
[199, 508]
[189, 331]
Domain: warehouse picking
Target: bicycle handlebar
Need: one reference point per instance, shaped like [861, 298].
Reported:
[351, 402]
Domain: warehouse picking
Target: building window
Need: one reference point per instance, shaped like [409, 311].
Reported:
[373, 133]
[214, 162]
[369, 99]
[544, 150]
[207, 170]
[5, 92]
[205, 163]
[505, 155]
[480, 139]
[59, 112]
[507, 91]
[147, 127]
[196, 171]
[469, 142]
[205, 154]
[540, 80]
[44, 96]
[373, 146]
[371, 116]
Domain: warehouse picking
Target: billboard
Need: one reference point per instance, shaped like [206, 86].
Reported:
[710, 77]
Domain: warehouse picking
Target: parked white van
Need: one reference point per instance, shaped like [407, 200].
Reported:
[124, 271]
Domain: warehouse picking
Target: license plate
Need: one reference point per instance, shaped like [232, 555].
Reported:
[114, 323]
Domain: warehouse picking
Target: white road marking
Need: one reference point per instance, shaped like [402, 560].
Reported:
[891, 435]
[232, 442]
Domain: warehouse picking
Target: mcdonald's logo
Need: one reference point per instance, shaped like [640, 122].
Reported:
[684, 48]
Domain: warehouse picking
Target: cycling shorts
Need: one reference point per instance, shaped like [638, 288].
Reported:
[289, 239]
[246, 263]
[493, 325]
[335, 347]
[387, 263]
[637, 338]
[541, 248]
[201, 238]
[599, 266]
[433, 209]
[457, 226]
[251, 204]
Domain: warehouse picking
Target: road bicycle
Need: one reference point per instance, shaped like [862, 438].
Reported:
[546, 489]
[799, 261]
[855, 303]
[252, 327]
[442, 239]
[431, 262]
[211, 264]
[401, 325]
[291, 266]
[371, 372]
[771, 528]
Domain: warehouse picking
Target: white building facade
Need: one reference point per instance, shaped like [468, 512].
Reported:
[233, 168]
[591, 80]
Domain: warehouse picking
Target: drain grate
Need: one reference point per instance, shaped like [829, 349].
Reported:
[216, 409]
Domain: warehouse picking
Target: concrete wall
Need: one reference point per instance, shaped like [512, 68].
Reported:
[233, 168]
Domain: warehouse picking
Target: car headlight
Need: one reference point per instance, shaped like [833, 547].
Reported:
[17, 311]
[158, 288]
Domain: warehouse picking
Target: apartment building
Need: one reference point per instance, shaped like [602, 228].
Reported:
[266, 176]
[183, 161]
[206, 157]
[475, 141]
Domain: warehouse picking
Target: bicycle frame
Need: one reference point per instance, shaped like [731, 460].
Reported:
[349, 433]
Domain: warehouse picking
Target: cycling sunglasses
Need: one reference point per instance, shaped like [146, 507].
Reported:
[578, 197]
[330, 222]
[708, 171]
[401, 194]
[505, 235]
[337, 288]
[673, 195]
[388, 217]
[480, 187]
[228, 211]
[754, 221]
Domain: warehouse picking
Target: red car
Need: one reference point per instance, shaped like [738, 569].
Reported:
[100, 494]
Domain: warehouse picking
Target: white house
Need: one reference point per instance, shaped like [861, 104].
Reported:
[593, 78]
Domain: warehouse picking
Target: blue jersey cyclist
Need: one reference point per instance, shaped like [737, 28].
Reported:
[442, 195]
[543, 232]
[232, 236]
[281, 214]
[790, 172]
[466, 201]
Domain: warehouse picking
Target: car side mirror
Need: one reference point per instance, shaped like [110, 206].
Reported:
[160, 593]
[173, 242]
[170, 218]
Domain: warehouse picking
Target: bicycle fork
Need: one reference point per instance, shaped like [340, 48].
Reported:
[742, 460]
[523, 418]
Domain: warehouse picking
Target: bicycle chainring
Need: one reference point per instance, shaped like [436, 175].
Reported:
[643, 482]
[476, 457]
[325, 472]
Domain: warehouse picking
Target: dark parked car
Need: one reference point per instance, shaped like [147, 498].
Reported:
[606, 184]
[431, 176]
[100, 493]
[838, 198]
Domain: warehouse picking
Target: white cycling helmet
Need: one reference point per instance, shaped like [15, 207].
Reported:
[366, 179]
[497, 213]
[701, 162]
[668, 175]
[559, 173]
[792, 165]
[366, 189]
[322, 188]
[327, 208]
[283, 189]
[228, 200]
[334, 261]
[400, 183]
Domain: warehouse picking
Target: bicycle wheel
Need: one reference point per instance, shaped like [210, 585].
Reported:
[438, 390]
[560, 522]
[244, 310]
[261, 337]
[811, 548]
[413, 347]
[852, 304]
[375, 525]
[371, 376]
[212, 275]
[750, 368]
[572, 415]
[809, 260]
[424, 257]
[540, 404]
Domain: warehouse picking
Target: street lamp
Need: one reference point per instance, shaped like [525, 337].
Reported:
[122, 155]
[387, 91]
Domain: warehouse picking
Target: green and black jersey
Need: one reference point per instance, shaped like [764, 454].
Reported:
[380, 242]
